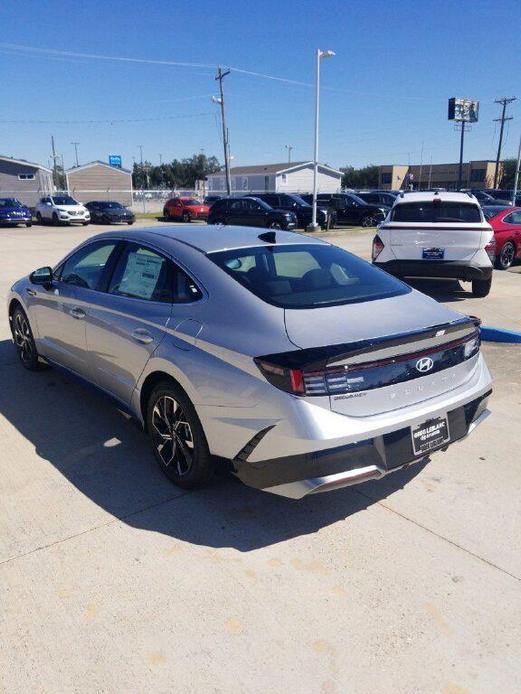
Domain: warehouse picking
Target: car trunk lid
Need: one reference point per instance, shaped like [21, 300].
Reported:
[368, 367]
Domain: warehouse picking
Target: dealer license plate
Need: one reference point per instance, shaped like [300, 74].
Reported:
[429, 435]
[433, 253]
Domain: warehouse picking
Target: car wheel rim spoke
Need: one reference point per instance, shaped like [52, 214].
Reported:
[22, 337]
[172, 435]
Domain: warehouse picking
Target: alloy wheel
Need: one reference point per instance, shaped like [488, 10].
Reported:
[507, 255]
[368, 221]
[23, 338]
[172, 435]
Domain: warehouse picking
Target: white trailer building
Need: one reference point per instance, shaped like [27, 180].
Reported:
[296, 177]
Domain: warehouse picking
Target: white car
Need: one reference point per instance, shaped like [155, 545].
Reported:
[437, 234]
[61, 209]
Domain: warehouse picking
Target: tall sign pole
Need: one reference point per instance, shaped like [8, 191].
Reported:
[463, 111]
[460, 169]
[504, 102]
[221, 74]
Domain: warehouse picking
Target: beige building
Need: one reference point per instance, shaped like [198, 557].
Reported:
[100, 181]
[476, 174]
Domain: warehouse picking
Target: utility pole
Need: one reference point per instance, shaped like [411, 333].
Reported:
[504, 102]
[430, 174]
[54, 158]
[289, 148]
[76, 151]
[220, 100]
[160, 160]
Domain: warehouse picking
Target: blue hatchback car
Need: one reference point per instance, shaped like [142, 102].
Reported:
[13, 213]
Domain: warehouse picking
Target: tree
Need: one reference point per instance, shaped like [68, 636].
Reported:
[181, 173]
[366, 177]
[509, 172]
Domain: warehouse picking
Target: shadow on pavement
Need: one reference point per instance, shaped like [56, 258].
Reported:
[448, 291]
[105, 455]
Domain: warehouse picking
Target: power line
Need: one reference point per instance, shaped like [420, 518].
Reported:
[111, 121]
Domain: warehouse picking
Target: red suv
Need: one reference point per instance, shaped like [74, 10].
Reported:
[185, 209]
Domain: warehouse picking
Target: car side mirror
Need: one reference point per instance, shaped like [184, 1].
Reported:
[42, 276]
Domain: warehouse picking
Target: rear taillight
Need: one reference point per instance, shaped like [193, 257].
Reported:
[367, 375]
[378, 247]
[490, 249]
[290, 380]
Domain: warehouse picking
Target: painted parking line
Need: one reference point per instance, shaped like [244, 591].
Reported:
[491, 334]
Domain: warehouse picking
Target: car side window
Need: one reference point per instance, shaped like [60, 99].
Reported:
[513, 218]
[85, 267]
[185, 289]
[236, 205]
[252, 205]
[142, 273]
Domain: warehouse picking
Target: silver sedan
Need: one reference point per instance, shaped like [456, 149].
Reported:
[301, 364]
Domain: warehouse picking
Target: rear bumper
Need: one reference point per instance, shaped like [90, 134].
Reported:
[436, 268]
[299, 475]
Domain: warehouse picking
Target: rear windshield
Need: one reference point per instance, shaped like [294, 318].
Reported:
[436, 212]
[307, 276]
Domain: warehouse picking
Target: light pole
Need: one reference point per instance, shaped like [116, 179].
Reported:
[516, 179]
[289, 148]
[320, 54]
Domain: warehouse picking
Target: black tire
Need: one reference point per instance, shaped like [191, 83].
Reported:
[39, 218]
[24, 341]
[368, 221]
[506, 257]
[481, 288]
[129, 223]
[188, 463]
[166, 216]
[85, 224]
[28, 224]
[218, 221]
[55, 219]
[275, 225]
[187, 217]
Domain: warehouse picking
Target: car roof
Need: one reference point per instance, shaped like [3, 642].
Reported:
[426, 196]
[208, 238]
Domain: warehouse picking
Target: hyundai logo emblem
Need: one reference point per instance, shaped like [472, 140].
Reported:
[424, 365]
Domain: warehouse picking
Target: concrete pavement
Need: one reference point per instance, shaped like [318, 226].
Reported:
[111, 579]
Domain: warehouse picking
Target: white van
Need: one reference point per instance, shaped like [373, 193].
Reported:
[437, 234]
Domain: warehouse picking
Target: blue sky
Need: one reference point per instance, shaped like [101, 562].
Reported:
[384, 94]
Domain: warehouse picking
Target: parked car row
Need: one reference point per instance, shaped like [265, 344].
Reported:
[63, 209]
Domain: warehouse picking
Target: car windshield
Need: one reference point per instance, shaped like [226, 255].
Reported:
[10, 202]
[307, 275]
[442, 211]
[109, 205]
[299, 200]
[190, 201]
[64, 200]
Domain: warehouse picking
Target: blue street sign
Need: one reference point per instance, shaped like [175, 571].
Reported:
[115, 160]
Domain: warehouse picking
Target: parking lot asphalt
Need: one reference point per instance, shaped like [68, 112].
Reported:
[112, 579]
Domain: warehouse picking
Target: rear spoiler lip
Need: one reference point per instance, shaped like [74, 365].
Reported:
[316, 358]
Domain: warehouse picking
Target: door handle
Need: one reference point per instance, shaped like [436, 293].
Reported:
[142, 336]
[77, 312]
[30, 291]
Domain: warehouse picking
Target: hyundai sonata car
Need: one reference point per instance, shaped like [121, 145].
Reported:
[301, 365]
